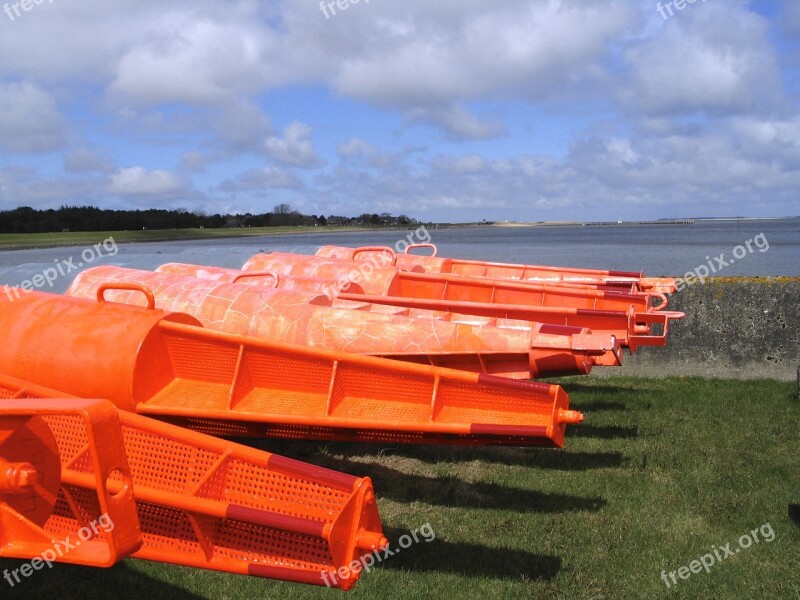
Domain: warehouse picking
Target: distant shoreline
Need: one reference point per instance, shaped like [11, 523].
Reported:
[633, 223]
[31, 241]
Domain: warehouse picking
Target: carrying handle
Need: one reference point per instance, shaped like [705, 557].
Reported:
[664, 301]
[273, 274]
[431, 246]
[133, 287]
[383, 249]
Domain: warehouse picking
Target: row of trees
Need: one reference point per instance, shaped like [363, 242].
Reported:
[90, 218]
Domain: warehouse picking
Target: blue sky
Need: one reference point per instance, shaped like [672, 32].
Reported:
[450, 110]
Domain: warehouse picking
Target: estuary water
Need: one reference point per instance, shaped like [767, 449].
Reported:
[773, 249]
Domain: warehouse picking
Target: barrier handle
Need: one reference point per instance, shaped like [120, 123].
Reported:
[384, 249]
[664, 301]
[273, 274]
[133, 287]
[431, 246]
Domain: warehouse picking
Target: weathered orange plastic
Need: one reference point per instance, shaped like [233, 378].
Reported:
[156, 363]
[184, 497]
[525, 351]
[631, 329]
[424, 285]
[495, 270]
[373, 277]
[551, 346]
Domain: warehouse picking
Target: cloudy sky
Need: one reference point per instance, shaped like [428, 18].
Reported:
[444, 110]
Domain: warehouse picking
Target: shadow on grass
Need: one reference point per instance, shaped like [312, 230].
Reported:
[588, 388]
[605, 432]
[88, 583]
[454, 492]
[600, 405]
[794, 513]
[558, 460]
[470, 560]
[539, 458]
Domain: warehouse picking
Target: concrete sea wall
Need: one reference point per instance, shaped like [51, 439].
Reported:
[737, 327]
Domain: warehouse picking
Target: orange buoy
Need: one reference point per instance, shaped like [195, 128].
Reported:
[163, 365]
[496, 270]
[519, 350]
[167, 494]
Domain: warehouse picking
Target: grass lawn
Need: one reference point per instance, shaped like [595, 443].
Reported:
[11, 241]
[660, 473]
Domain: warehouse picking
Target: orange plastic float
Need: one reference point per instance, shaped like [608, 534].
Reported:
[164, 364]
[631, 329]
[495, 270]
[264, 270]
[122, 484]
[519, 350]
[39, 511]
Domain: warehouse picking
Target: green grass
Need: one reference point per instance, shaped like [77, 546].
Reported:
[11, 241]
[660, 472]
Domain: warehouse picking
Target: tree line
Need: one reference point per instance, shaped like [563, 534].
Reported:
[90, 218]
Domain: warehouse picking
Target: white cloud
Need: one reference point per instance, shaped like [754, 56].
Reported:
[197, 61]
[30, 121]
[520, 49]
[84, 160]
[458, 123]
[136, 181]
[357, 150]
[715, 57]
[25, 186]
[460, 165]
[261, 179]
[295, 148]
[241, 126]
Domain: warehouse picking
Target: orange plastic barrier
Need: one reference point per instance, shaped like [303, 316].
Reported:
[268, 279]
[495, 270]
[39, 511]
[411, 284]
[631, 329]
[372, 277]
[515, 351]
[200, 501]
[546, 340]
[156, 363]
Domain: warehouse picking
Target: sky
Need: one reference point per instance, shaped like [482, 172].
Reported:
[452, 111]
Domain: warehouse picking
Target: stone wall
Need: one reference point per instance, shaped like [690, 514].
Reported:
[741, 327]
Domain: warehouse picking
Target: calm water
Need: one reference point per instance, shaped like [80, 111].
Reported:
[657, 249]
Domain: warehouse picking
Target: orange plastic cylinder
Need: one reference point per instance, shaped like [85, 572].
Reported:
[476, 268]
[97, 344]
